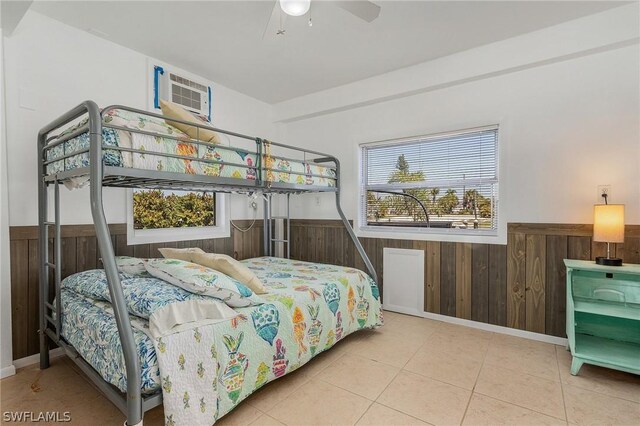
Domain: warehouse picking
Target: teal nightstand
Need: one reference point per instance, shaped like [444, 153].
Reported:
[603, 315]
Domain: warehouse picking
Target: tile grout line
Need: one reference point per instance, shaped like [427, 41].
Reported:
[300, 370]
[473, 390]
[402, 369]
[364, 412]
[402, 412]
[371, 402]
[512, 403]
[521, 406]
[389, 384]
[564, 402]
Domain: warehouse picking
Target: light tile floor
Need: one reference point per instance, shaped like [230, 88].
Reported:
[412, 371]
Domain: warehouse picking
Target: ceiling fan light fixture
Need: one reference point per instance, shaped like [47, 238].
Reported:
[295, 7]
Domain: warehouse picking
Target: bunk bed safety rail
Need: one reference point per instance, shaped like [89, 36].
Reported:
[263, 169]
[345, 221]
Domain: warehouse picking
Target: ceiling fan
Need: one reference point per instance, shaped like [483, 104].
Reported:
[363, 9]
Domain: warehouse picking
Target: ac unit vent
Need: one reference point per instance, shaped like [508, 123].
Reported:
[187, 82]
[186, 97]
[190, 94]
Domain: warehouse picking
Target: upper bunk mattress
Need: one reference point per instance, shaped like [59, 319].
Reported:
[231, 162]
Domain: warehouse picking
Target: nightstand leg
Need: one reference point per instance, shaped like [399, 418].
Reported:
[575, 366]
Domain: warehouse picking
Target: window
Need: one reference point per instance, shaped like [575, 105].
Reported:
[445, 183]
[160, 216]
[158, 209]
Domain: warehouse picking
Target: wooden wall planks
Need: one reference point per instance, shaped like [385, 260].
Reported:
[80, 253]
[535, 279]
[432, 277]
[555, 292]
[448, 279]
[520, 285]
[480, 283]
[463, 280]
[516, 278]
[497, 300]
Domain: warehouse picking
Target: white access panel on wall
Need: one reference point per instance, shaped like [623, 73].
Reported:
[403, 278]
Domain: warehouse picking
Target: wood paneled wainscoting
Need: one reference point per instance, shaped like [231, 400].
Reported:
[80, 253]
[519, 285]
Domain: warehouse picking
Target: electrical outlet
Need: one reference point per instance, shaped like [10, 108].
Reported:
[604, 189]
[253, 204]
[317, 200]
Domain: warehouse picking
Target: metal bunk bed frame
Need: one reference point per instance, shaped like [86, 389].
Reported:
[133, 404]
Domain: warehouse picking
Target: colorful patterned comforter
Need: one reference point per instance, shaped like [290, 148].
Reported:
[286, 171]
[90, 326]
[308, 309]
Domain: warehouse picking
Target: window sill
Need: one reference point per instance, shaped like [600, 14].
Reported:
[434, 234]
[149, 236]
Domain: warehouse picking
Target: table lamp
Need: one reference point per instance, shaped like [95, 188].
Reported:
[608, 227]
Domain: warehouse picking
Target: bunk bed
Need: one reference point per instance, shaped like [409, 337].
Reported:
[90, 152]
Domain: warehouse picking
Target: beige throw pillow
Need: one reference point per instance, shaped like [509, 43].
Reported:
[180, 254]
[231, 267]
[175, 111]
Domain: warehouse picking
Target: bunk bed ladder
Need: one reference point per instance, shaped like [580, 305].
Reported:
[52, 313]
[270, 240]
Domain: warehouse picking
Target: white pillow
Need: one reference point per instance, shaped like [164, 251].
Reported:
[200, 280]
[229, 266]
[132, 266]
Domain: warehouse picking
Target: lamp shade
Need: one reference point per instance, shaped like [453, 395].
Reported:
[608, 223]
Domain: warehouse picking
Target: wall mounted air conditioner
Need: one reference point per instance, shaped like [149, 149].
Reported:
[192, 95]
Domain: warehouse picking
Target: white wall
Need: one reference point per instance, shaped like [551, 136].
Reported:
[6, 357]
[50, 68]
[565, 127]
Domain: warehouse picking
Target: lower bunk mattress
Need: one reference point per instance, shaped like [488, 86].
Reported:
[230, 163]
[90, 326]
[308, 308]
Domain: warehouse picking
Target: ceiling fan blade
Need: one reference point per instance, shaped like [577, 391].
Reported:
[363, 9]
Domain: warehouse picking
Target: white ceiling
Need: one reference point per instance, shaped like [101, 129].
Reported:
[223, 41]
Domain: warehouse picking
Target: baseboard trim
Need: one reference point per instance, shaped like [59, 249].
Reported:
[7, 371]
[498, 329]
[35, 358]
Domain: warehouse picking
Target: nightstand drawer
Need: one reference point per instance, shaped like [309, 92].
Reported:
[609, 287]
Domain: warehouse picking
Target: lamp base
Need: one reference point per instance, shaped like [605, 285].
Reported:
[609, 261]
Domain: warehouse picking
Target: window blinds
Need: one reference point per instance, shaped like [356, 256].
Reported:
[458, 161]
[466, 157]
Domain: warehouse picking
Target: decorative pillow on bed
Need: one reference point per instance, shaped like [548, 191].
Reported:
[132, 266]
[175, 111]
[200, 280]
[231, 267]
[180, 254]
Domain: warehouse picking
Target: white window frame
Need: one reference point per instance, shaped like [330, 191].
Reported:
[222, 228]
[493, 236]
